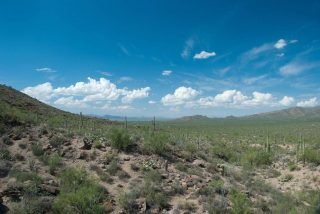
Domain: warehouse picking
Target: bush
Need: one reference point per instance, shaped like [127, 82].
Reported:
[312, 156]
[54, 162]
[128, 201]
[5, 154]
[256, 158]
[152, 190]
[240, 203]
[113, 167]
[57, 141]
[79, 194]
[120, 139]
[37, 150]
[156, 143]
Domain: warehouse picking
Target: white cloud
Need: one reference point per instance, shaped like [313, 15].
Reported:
[42, 92]
[70, 102]
[180, 96]
[281, 43]
[124, 79]
[166, 73]
[204, 55]
[85, 94]
[105, 73]
[293, 41]
[135, 94]
[151, 102]
[252, 80]
[308, 103]
[236, 99]
[46, 70]
[295, 67]
[287, 101]
[187, 48]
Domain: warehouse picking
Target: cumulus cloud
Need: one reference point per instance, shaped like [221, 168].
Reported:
[135, 94]
[287, 101]
[204, 55]
[236, 99]
[281, 43]
[166, 73]
[70, 102]
[42, 92]
[85, 94]
[151, 102]
[46, 70]
[308, 103]
[180, 96]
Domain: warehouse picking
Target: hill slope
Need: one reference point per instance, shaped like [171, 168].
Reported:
[18, 108]
[290, 113]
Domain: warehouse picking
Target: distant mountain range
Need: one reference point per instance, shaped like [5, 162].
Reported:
[294, 113]
[290, 113]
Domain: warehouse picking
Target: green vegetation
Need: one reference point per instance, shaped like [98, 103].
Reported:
[79, 193]
[120, 139]
[37, 149]
[156, 142]
[240, 203]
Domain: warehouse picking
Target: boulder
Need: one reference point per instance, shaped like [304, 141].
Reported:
[86, 144]
[199, 163]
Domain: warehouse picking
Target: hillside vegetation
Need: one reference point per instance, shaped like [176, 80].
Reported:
[53, 161]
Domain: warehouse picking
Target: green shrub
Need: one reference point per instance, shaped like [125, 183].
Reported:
[152, 190]
[312, 156]
[128, 201]
[113, 167]
[57, 141]
[181, 167]
[120, 139]
[5, 154]
[256, 158]
[37, 150]
[156, 143]
[223, 151]
[54, 162]
[240, 202]
[79, 193]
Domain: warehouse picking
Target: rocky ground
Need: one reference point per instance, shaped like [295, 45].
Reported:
[186, 184]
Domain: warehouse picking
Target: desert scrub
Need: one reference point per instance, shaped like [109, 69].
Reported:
[37, 149]
[256, 158]
[54, 162]
[5, 154]
[127, 200]
[311, 156]
[240, 203]
[156, 143]
[225, 152]
[152, 190]
[79, 193]
[57, 141]
[120, 139]
[113, 167]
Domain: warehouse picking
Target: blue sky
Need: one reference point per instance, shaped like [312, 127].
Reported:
[163, 58]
